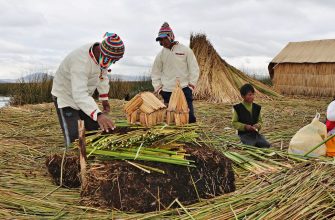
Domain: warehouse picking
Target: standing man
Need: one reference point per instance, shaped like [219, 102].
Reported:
[175, 61]
[82, 72]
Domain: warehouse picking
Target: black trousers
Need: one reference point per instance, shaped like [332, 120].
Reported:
[68, 119]
[189, 98]
[254, 139]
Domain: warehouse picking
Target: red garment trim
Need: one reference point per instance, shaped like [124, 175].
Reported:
[92, 113]
[103, 95]
[330, 125]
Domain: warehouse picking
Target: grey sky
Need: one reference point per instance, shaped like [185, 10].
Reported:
[36, 34]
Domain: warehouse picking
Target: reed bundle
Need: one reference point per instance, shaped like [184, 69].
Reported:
[158, 144]
[220, 82]
[177, 111]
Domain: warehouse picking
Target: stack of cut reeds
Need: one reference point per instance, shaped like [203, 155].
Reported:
[178, 111]
[157, 144]
[145, 108]
[220, 82]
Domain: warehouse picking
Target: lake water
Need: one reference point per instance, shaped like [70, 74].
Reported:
[4, 101]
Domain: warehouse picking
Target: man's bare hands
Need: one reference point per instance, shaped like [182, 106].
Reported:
[191, 86]
[250, 128]
[106, 107]
[158, 90]
[105, 123]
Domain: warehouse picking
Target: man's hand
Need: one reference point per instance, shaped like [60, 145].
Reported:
[105, 105]
[191, 86]
[250, 128]
[256, 126]
[105, 123]
[158, 90]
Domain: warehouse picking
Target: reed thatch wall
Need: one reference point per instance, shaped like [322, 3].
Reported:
[220, 82]
[313, 79]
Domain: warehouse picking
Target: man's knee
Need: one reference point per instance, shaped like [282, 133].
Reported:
[70, 124]
[263, 144]
[247, 139]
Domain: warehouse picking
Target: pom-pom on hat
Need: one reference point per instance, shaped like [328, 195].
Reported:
[112, 49]
[165, 32]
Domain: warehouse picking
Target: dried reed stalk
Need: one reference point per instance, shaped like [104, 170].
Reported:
[82, 152]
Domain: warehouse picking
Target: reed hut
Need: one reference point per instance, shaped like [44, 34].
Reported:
[145, 109]
[220, 82]
[305, 68]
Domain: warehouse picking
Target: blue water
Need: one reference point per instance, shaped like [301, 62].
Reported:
[4, 101]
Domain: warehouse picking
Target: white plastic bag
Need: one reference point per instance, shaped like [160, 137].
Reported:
[308, 137]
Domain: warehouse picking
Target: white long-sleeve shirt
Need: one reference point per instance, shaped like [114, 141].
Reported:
[169, 64]
[76, 80]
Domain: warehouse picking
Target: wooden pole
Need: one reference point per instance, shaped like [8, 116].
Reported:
[82, 152]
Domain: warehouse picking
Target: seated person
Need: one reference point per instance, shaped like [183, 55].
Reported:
[247, 119]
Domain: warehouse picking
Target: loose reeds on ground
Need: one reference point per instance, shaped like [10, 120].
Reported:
[301, 192]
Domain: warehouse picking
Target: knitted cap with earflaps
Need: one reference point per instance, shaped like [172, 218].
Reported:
[112, 49]
[165, 32]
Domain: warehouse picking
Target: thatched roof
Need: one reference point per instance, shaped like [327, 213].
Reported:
[220, 82]
[316, 51]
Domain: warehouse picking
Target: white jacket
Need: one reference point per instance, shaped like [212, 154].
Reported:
[76, 80]
[169, 64]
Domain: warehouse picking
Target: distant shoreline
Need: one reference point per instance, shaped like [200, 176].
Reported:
[4, 101]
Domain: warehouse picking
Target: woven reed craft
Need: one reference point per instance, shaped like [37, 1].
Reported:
[178, 111]
[145, 109]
